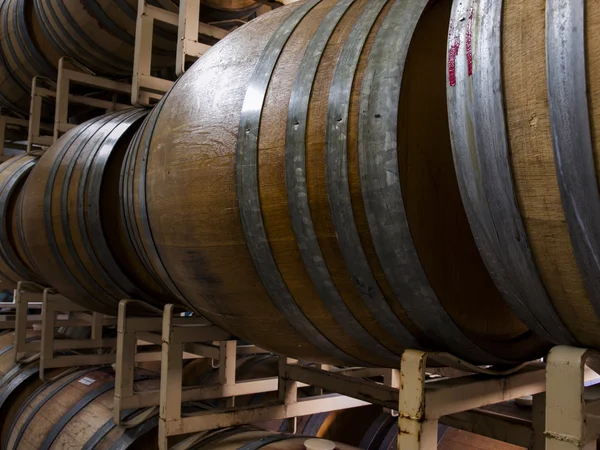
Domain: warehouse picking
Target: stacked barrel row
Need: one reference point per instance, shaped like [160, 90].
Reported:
[99, 34]
[340, 180]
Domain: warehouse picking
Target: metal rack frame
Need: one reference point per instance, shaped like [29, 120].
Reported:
[187, 21]
[70, 72]
[572, 408]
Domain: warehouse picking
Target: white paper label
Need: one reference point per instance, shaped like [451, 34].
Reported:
[87, 381]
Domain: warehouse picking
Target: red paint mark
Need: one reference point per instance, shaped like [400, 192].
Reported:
[454, 39]
[452, 55]
[469, 43]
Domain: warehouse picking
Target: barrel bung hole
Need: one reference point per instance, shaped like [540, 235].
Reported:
[436, 215]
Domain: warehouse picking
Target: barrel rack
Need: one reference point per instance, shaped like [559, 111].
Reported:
[564, 396]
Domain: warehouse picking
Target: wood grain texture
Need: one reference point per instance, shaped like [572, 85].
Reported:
[100, 35]
[193, 212]
[71, 217]
[24, 55]
[17, 381]
[41, 414]
[532, 158]
[14, 262]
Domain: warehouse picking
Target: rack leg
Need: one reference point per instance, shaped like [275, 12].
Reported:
[170, 379]
[20, 323]
[125, 363]
[565, 404]
[539, 421]
[48, 327]
[416, 432]
[227, 366]
[287, 393]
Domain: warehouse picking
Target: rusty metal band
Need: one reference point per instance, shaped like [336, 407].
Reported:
[112, 62]
[482, 161]
[90, 220]
[572, 138]
[21, 237]
[297, 190]
[382, 192]
[88, 209]
[85, 149]
[9, 47]
[148, 239]
[41, 66]
[247, 188]
[78, 134]
[6, 248]
[128, 204]
[338, 187]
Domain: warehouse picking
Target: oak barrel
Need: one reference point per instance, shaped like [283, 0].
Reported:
[25, 53]
[101, 34]
[15, 262]
[74, 411]
[17, 380]
[297, 188]
[248, 438]
[72, 222]
[524, 113]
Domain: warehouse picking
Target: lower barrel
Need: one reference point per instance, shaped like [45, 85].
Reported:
[74, 411]
[15, 262]
[72, 222]
[248, 438]
[17, 380]
[296, 187]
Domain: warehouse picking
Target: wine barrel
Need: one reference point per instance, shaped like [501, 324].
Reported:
[15, 263]
[25, 54]
[219, 12]
[17, 380]
[101, 34]
[71, 217]
[248, 437]
[524, 116]
[316, 212]
[74, 411]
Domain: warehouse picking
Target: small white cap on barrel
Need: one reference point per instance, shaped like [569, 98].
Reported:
[319, 444]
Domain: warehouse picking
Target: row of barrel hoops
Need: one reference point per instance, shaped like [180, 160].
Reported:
[433, 186]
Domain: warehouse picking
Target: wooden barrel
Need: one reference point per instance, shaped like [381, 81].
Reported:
[72, 221]
[15, 263]
[17, 380]
[101, 34]
[248, 438]
[25, 54]
[74, 411]
[219, 12]
[316, 211]
[524, 115]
